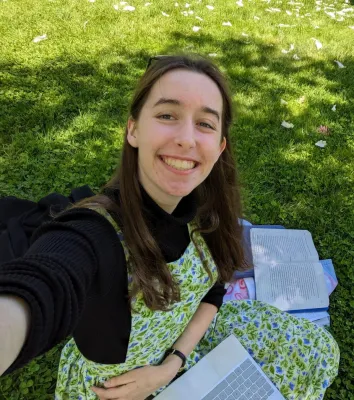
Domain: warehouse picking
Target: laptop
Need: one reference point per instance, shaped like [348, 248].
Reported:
[228, 372]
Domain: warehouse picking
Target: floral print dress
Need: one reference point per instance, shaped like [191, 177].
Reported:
[300, 357]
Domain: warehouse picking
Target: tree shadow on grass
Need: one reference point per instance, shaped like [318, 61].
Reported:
[311, 191]
[52, 95]
[64, 102]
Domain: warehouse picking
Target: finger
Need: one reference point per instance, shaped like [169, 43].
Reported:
[115, 393]
[124, 379]
[102, 393]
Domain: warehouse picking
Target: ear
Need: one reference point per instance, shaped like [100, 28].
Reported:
[222, 145]
[132, 133]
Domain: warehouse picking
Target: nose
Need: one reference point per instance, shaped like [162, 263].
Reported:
[185, 137]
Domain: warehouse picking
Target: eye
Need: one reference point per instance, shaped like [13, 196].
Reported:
[208, 125]
[165, 115]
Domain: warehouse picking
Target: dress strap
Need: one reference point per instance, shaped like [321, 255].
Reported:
[101, 210]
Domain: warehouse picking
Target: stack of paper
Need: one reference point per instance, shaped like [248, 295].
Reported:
[245, 280]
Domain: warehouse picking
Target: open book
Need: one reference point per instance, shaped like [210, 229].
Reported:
[288, 274]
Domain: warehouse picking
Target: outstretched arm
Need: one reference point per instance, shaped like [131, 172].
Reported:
[43, 293]
[14, 327]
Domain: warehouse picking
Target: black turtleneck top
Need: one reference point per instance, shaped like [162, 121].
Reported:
[74, 279]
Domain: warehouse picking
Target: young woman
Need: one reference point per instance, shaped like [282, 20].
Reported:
[140, 269]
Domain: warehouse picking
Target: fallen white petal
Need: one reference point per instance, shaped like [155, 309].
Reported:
[287, 125]
[334, 108]
[164, 14]
[85, 23]
[256, 18]
[345, 10]
[91, 1]
[321, 143]
[296, 57]
[318, 44]
[190, 12]
[176, 5]
[187, 5]
[185, 13]
[288, 12]
[272, 9]
[318, 8]
[210, 7]
[228, 23]
[239, 3]
[284, 26]
[351, 27]
[128, 8]
[196, 28]
[290, 49]
[200, 19]
[340, 65]
[147, 4]
[316, 27]
[244, 34]
[116, 6]
[40, 38]
[283, 102]
[122, 3]
[331, 14]
[212, 54]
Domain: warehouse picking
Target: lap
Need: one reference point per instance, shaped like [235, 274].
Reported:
[300, 357]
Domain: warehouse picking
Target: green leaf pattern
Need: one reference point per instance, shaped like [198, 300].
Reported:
[300, 357]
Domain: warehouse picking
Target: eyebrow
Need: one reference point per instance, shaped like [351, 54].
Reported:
[204, 109]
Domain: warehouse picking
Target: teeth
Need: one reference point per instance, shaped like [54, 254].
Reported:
[179, 164]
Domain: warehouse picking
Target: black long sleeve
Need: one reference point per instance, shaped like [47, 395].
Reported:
[215, 295]
[75, 268]
[56, 273]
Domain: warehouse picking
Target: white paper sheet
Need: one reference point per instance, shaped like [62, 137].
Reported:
[282, 245]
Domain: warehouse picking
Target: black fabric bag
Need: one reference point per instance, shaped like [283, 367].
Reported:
[19, 218]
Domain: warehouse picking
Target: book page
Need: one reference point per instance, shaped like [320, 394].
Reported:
[298, 286]
[282, 245]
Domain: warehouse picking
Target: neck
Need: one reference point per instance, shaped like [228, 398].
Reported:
[167, 203]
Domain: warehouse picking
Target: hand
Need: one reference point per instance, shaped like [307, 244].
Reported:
[139, 383]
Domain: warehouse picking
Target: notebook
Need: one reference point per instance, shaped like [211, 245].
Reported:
[288, 274]
[228, 372]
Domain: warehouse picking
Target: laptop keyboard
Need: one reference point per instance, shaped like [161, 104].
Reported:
[244, 383]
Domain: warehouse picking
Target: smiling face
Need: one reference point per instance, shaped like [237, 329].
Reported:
[178, 135]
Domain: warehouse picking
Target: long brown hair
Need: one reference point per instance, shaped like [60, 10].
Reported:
[218, 198]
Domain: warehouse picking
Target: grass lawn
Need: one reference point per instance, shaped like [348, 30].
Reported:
[63, 108]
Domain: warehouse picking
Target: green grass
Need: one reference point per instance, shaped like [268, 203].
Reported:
[63, 108]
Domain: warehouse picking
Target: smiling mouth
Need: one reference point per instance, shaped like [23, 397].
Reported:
[181, 165]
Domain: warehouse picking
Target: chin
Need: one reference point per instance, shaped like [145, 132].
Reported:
[179, 192]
